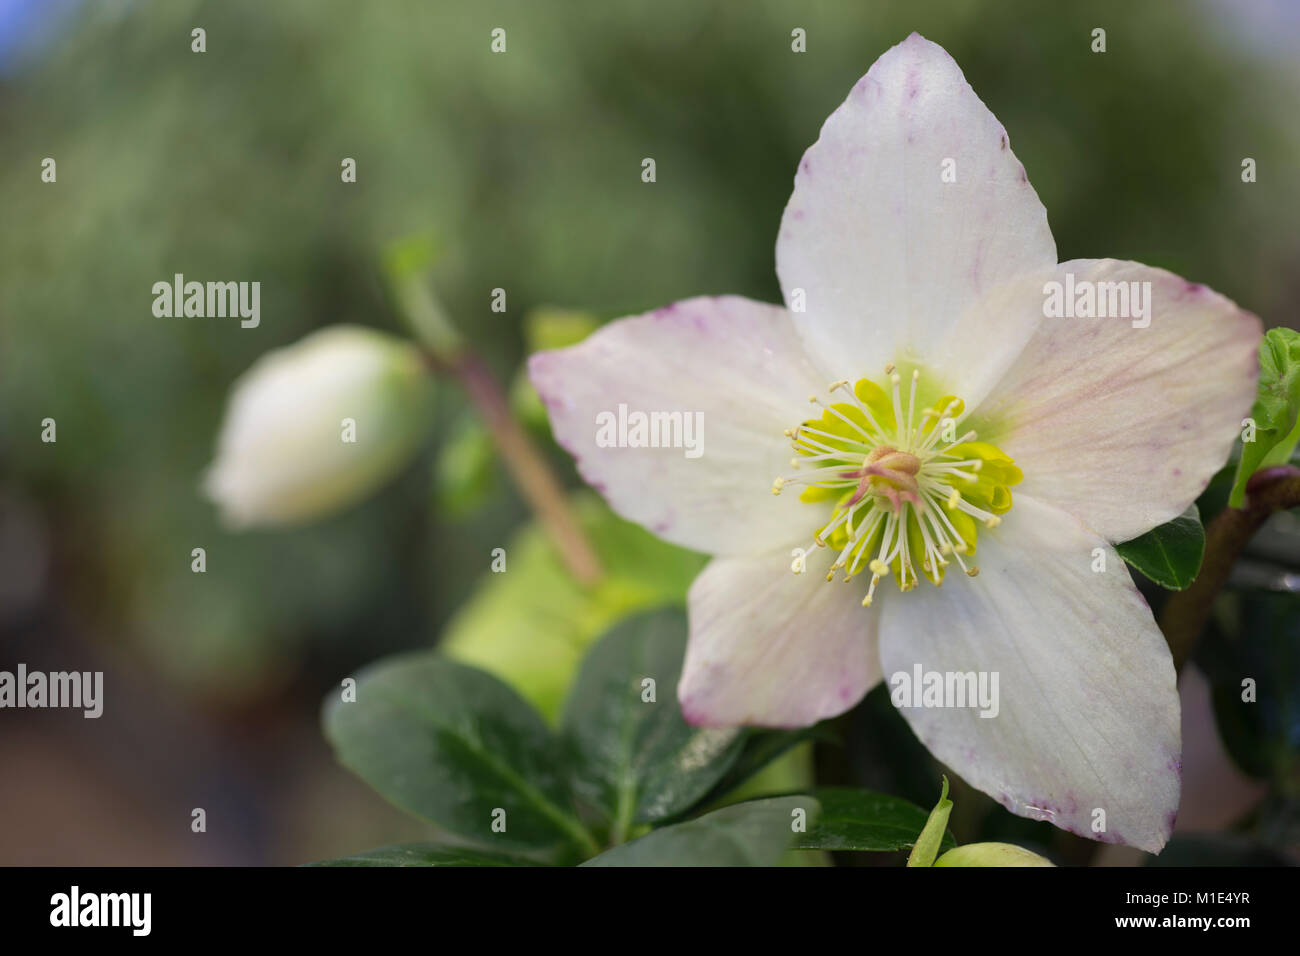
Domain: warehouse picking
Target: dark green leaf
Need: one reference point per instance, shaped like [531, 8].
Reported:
[1215, 496]
[426, 854]
[637, 759]
[746, 834]
[883, 754]
[1259, 723]
[455, 745]
[1169, 555]
[763, 747]
[854, 819]
[1276, 412]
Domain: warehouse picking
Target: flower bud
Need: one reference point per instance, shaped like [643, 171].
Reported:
[931, 837]
[318, 425]
[991, 854]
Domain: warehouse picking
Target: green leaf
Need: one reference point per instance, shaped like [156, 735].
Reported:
[854, 819]
[746, 834]
[427, 854]
[639, 760]
[1276, 412]
[465, 471]
[455, 745]
[531, 624]
[763, 749]
[930, 841]
[1169, 555]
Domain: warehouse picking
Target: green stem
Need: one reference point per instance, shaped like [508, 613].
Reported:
[406, 267]
[1185, 613]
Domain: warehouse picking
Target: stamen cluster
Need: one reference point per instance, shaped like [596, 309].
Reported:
[906, 488]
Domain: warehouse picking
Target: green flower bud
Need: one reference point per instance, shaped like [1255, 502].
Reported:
[991, 854]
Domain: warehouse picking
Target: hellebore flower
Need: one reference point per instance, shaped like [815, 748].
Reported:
[970, 424]
[318, 425]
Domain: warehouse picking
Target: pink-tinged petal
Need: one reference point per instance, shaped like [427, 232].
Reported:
[736, 363]
[772, 648]
[1087, 708]
[886, 253]
[1124, 426]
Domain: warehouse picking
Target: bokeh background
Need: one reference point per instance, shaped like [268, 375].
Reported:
[524, 169]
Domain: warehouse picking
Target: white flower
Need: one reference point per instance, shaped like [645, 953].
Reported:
[318, 425]
[915, 259]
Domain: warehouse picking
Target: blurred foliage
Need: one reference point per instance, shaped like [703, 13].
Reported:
[1259, 723]
[531, 624]
[225, 166]
[465, 475]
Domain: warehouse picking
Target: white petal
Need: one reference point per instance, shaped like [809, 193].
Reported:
[888, 254]
[775, 649]
[732, 365]
[1123, 427]
[1087, 714]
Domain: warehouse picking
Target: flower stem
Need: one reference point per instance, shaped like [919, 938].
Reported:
[405, 266]
[530, 471]
[1186, 612]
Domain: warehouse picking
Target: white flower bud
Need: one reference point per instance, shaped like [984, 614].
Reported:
[286, 455]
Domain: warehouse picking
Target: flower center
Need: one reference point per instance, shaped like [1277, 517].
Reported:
[907, 489]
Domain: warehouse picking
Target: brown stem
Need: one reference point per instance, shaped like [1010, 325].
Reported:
[530, 472]
[1186, 612]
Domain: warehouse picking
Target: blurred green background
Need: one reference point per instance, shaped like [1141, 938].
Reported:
[525, 167]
